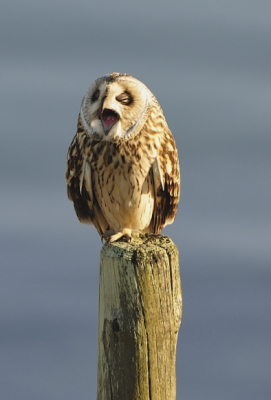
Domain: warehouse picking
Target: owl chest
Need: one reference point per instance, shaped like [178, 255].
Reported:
[124, 190]
[119, 172]
[119, 185]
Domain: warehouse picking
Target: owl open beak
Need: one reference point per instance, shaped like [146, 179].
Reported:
[109, 118]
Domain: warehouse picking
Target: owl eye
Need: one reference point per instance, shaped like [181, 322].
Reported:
[124, 98]
[95, 96]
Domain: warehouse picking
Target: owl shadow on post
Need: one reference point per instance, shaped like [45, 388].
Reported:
[123, 177]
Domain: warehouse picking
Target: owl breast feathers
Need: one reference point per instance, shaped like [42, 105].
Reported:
[122, 168]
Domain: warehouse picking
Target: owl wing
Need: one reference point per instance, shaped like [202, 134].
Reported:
[80, 190]
[167, 183]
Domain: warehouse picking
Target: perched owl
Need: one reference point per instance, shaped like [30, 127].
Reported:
[122, 168]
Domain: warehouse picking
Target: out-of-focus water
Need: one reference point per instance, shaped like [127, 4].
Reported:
[209, 66]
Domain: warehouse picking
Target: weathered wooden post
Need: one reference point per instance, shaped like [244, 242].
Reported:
[140, 307]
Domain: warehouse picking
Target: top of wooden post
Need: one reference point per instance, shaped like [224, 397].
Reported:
[143, 244]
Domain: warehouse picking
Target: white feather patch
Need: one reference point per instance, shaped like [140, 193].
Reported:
[158, 173]
[88, 180]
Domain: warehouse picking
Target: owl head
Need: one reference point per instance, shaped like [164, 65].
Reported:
[115, 107]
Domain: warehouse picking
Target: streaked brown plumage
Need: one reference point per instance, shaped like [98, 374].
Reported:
[122, 168]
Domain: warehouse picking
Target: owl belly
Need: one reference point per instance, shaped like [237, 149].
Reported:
[126, 200]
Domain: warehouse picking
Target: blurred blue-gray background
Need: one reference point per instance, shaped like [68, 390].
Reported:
[208, 63]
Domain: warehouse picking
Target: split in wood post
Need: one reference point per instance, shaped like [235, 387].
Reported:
[140, 307]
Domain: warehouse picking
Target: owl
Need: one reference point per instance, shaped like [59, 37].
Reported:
[123, 171]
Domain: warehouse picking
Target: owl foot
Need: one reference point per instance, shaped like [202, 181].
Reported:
[113, 236]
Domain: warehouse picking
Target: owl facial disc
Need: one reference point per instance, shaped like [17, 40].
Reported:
[109, 118]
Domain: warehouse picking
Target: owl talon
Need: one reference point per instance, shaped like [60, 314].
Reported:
[112, 236]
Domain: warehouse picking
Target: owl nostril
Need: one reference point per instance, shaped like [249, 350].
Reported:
[109, 118]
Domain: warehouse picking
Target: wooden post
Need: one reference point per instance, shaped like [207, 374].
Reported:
[140, 307]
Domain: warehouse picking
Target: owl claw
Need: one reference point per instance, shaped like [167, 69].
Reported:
[112, 236]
